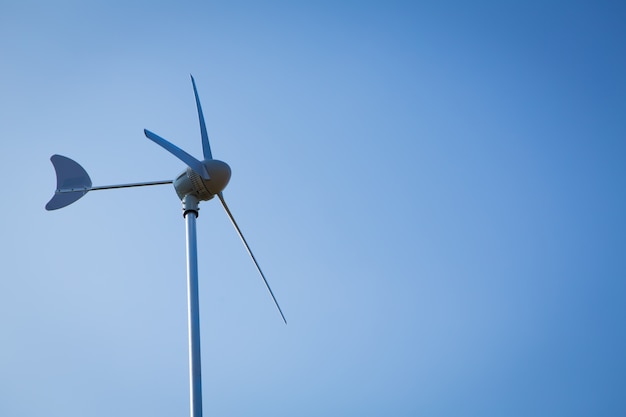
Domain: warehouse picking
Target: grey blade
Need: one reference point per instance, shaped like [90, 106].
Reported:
[206, 148]
[191, 162]
[232, 219]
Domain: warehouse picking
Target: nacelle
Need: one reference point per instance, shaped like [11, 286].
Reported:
[190, 182]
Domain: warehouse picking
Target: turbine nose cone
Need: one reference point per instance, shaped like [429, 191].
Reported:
[219, 174]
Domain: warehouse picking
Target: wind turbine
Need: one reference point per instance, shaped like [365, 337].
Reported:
[201, 181]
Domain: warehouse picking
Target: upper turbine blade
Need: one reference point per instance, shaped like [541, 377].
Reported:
[206, 148]
[232, 219]
[191, 162]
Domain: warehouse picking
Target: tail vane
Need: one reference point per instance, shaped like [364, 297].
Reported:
[73, 182]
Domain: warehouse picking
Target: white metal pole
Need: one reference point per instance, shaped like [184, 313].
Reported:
[190, 207]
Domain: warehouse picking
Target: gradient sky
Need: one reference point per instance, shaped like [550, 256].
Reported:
[435, 191]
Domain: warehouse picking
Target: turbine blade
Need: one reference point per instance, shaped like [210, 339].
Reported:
[189, 160]
[232, 219]
[206, 148]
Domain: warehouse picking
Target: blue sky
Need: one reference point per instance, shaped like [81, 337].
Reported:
[435, 191]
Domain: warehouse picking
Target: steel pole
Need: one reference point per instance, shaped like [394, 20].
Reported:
[190, 207]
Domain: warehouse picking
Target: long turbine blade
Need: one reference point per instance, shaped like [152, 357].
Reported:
[206, 148]
[191, 162]
[232, 219]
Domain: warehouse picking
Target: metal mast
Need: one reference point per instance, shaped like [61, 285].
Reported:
[190, 212]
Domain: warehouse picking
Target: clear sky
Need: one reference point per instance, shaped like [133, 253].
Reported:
[435, 191]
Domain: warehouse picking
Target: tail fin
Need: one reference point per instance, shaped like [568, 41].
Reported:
[73, 182]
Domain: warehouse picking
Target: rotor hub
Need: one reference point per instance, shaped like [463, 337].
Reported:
[190, 182]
